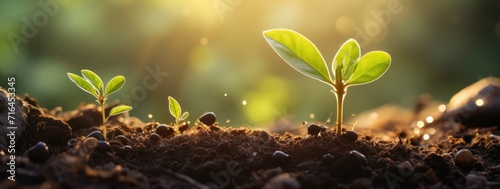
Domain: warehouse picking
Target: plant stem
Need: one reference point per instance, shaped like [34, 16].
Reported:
[101, 102]
[340, 94]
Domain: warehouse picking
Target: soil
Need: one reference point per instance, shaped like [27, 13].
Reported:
[217, 157]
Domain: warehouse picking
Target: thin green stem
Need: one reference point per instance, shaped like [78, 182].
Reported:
[101, 102]
[340, 91]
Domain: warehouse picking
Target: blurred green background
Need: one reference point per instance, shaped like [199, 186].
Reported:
[217, 58]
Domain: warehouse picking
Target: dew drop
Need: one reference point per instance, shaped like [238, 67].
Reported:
[426, 137]
[420, 124]
[429, 119]
[244, 102]
[311, 116]
[479, 102]
[228, 121]
[150, 116]
[442, 108]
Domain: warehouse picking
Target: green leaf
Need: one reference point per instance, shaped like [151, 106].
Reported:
[299, 53]
[346, 58]
[174, 107]
[114, 85]
[83, 84]
[93, 78]
[119, 110]
[184, 116]
[370, 67]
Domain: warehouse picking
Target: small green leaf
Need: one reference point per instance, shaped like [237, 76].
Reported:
[299, 53]
[184, 116]
[346, 58]
[114, 85]
[93, 78]
[83, 84]
[370, 67]
[119, 110]
[174, 107]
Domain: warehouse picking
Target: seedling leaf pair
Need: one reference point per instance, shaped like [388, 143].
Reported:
[92, 83]
[349, 68]
[176, 111]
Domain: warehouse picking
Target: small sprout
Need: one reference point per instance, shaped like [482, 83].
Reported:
[176, 111]
[92, 83]
[349, 67]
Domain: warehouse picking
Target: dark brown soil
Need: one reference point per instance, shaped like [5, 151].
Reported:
[217, 157]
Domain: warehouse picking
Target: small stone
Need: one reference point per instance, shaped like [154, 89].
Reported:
[39, 153]
[208, 118]
[127, 149]
[476, 181]
[154, 137]
[328, 159]
[350, 136]
[280, 156]
[406, 168]
[350, 164]
[97, 135]
[282, 181]
[358, 156]
[102, 147]
[164, 130]
[184, 126]
[464, 157]
[72, 143]
[123, 139]
[314, 129]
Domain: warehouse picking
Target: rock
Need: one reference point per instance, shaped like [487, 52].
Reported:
[314, 129]
[282, 181]
[123, 139]
[474, 181]
[350, 136]
[280, 156]
[184, 126]
[328, 159]
[477, 105]
[350, 164]
[97, 135]
[102, 147]
[207, 118]
[39, 153]
[464, 157]
[154, 137]
[164, 130]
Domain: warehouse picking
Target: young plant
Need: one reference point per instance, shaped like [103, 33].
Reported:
[175, 109]
[349, 68]
[92, 83]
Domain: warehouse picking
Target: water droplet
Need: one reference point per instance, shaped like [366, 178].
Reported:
[374, 115]
[426, 137]
[228, 121]
[311, 116]
[429, 119]
[479, 102]
[244, 102]
[150, 116]
[442, 108]
[225, 94]
[420, 124]
[204, 41]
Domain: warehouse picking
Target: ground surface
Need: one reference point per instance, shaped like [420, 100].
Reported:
[216, 157]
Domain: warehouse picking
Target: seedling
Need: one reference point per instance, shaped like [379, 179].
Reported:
[176, 111]
[349, 68]
[92, 83]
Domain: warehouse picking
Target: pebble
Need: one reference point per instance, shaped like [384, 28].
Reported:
[97, 135]
[314, 129]
[280, 156]
[123, 139]
[463, 106]
[328, 159]
[102, 147]
[164, 130]
[474, 181]
[207, 118]
[350, 164]
[464, 157]
[127, 149]
[350, 136]
[154, 137]
[39, 153]
[183, 127]
[282, 181]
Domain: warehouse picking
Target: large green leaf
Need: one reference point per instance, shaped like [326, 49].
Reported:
[346, 58]
[370, 67]
[299, 52]
[119, 109]
[83, 84]
[174, 108]
[114, 85]
[93, 78]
